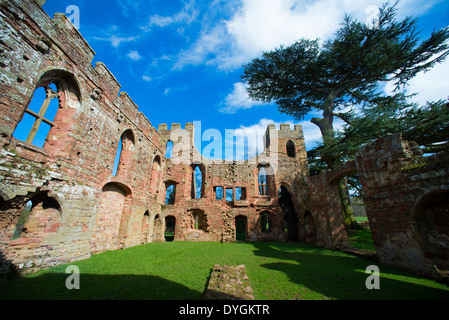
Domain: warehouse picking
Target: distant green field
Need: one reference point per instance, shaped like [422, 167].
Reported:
[180, 270]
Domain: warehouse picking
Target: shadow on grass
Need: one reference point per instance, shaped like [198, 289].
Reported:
[51, 286]
[342, 277]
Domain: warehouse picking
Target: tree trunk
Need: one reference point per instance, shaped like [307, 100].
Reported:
[327, 131]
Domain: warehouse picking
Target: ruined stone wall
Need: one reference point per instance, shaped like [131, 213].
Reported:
[79, 205]
[406, 199]
[74, 167]
[220, 214]
[407, 203]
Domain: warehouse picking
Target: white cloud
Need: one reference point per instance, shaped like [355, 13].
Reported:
[187, 15]
[254, 136]
[238, 99]
[432, 85]
[115, 41]
[134, 55]
[146, 78]
[263, 25]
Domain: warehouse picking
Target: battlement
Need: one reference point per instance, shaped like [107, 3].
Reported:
[284, 132]
[65, 25]
[163, 127]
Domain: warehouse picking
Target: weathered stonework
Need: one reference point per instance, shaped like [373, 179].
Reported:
[229, 283]
[79, 206]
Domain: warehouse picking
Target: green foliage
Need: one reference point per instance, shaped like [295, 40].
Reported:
[347, 70]
[428, 126]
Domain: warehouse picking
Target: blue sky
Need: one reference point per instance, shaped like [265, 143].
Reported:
[181, 61]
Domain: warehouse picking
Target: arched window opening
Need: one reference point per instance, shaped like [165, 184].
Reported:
[155, 174]
[169, 149]
[52, 107]
[199, 219]
[38, 118]
[291, 150]
[263, 182]
[22, 220]
[170, 194]
[197, 187]
[265, 222]
[40, 216]
[117, 158]
[158, 233]
[145, 228]
[123, 155]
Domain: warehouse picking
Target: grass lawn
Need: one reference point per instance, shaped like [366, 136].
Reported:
[180, 270]
[361, 239]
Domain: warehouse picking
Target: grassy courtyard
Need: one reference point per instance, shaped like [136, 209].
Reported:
[180, 270]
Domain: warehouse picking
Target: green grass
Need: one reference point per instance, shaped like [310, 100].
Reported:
[361, 239]
[180, 270]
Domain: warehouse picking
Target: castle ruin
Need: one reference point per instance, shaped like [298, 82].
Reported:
[63, 201]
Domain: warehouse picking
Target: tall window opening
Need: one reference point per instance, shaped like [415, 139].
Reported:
[145, 228]
[51, 109]
[197, 183]
[123, 155]
[229, 194]
[218, 193]
[240, 193]
[155, 174]
[38, 119]
[170, 194]
[117, 157]
[263, 182]
[20, 226]
[265, 222]
[291, 150]
[169, 149]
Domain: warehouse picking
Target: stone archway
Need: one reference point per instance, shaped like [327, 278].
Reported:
[431, 219]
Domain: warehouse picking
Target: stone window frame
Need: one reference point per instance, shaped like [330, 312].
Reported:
[67, 86]
[50, 94]
[290, 147]
[262, 187]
